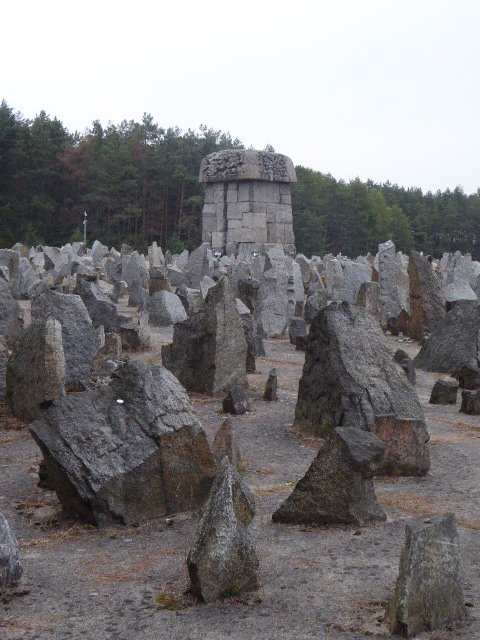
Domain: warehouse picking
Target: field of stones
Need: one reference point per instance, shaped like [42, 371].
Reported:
[206, 446]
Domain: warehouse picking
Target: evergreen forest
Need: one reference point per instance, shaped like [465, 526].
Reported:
[138, 182]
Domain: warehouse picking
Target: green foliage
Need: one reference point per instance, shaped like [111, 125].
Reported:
[139, 182]
[174, 244]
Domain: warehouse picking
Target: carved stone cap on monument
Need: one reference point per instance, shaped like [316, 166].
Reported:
[246, 164]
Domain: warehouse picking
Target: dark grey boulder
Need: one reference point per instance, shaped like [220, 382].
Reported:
[270, 393]
[235, 402]
[138, 295]
[468, 377]
[10, 567]
[100, 307]
[80, 339]
[350, 379]
[454, 343]
[369, 298]
[208, 352]
[134, 334]
[403, 359]
[337, 488]
[191, 299]
[25, 284]
[470, 403]
[249, 332]
[36, 370]
[129, 451]
[444, 392]
[222, 561]
[259, 347]
[427, 302]
[429, 592]
[164, 309]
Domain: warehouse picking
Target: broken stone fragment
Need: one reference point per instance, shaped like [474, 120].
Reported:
[337, 488]
[10, 567]
[444, 392]
[429, 591]
[222, 561]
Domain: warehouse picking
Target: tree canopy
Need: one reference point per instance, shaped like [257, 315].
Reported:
[138, 182]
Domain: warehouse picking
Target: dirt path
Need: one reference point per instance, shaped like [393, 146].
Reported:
[326, 583]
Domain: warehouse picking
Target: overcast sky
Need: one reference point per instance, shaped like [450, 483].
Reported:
[380, 89]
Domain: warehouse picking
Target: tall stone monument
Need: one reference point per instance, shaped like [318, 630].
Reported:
[247, 199]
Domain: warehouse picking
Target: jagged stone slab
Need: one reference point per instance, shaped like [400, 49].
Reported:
[80, 339]
[11, 319]
[337, 488]
[454, 343]
[10, 567]
[225, 444]
[208, 352]
[100, 307]
[402, 358]
[470, 403]
[427, 303]
[36, 370]
[165, 309]
[222, 561]
[270, 393]
[126, 452]
[429, 592]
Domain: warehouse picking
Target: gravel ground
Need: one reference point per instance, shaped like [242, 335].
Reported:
[316, 582]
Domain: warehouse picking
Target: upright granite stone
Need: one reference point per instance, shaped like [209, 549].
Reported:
[350, 379]
[3, 371]
[208, 352]
[427, 303]
[36, 370]
[249, 332]
[470, 403]
[26, 284]
[314, 303]
[403, 359]
[165, 309]
[10, 567]
[225, 444]
[337, 488]
[80, 339]
[247, 199]
[444, 392]
[369, 298]
[222, 561]
[130, 451]
[455, 342]
[11, 320]
[388, 276]
[429, 592]
[100, 307]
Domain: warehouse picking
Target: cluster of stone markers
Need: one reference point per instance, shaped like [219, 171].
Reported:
[352, 391]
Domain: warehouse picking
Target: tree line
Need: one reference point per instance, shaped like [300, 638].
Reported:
[138, 182]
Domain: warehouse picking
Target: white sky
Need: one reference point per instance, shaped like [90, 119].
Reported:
[381, 89]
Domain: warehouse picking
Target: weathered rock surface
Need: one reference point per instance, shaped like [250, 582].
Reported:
[3, 371]
[25, 284]
[406, 451]
[36, 370]
[165, 309]
[454, 343]
[100, 307]
[11, 323]
[429, 592]
[80, 340]
[470, 403]
[10, 567]
[222, 561]
[225, 444]
[297, 329]
[208, 352]
[337, 488]
[444, 392]
[369, 298]
[235, 402]
[314, 303]
[388, 276]
[403, 359]
[468, 377]
[249, 332]
[427, 303]
[128, 451]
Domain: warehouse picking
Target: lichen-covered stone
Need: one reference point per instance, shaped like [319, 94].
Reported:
[429, 593]
[222, 561]
[337, 488]
[128, 451]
